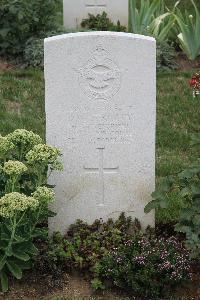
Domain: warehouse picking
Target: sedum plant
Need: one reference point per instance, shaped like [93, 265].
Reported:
[151, 18]
[24, 199]
[189, 36]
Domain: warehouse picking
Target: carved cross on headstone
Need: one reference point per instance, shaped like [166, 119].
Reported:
[96, 6]
[101, 171]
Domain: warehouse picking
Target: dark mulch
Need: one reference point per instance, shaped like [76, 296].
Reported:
[185, 64]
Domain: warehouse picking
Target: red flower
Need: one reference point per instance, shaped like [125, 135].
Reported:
[195, 81]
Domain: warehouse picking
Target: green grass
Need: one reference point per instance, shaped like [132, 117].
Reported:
[178, 115]
[22, 101]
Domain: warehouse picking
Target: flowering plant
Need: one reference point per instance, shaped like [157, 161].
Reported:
[195, 84]
[146, 264]
[24, 198]
[118, 251]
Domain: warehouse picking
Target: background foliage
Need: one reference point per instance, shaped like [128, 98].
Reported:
[186, 186]
[24, 19]
[101, 22]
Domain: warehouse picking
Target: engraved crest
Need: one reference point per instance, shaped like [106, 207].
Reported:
[100, 77]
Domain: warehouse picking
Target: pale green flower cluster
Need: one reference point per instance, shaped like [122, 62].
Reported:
[6, 146]
[24, 138]
[57, 165]
[14, 168]
[44, 195]
[43, 154]
[15, 202]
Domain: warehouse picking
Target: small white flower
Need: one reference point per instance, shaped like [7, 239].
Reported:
[14, 168]
[43, 194]
[16, 202]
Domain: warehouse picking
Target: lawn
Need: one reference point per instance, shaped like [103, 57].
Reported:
[178, 114]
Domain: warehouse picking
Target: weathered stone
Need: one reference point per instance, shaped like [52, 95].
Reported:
[75, 11]
[101, 112]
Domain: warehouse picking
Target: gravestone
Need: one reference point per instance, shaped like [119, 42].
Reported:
[74, 11]
[101, 111]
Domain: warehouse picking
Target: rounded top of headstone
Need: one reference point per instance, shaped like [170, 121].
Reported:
[100, 33]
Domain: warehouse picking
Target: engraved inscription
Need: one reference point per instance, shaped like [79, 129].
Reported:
[95, 3]
[101, 171]
[100, 77]
[100, 128]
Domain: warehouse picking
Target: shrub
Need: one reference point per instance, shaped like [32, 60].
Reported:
[165, 57]
[23, 19]
[146, 265]
[33, 54]
[187, 185]
[101, 22]
[85, 244]
[120, 252]
[24, 198]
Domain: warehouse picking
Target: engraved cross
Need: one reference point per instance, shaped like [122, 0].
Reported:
[101, 171]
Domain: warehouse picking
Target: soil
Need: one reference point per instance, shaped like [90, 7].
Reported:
[185, 64]
[5, 66]
[76, 287]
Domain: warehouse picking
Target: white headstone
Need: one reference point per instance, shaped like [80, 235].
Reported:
[101, 112]
[74, 11]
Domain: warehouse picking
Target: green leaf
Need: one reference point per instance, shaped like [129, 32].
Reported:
[196, 220]
[187, 173]
[190, 32]
[195, 238]
[4, 237]
[185, 192]
[40, 232]
[151, 205]
[14, 269]
[9, 251]
[167, 183]
[28, 247]
[196, 188]
[196, 204]
[19, 239]
[157, 195]
[4, 32]
[2, 261]
[51, 214]
[3, 245]
[183, 228]
[24, 265]
[186, 214]
[164, 203]
[4, 281]
[21, 255]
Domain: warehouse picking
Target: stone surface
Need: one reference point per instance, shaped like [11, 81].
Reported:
[74, 11]
[101, 112]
